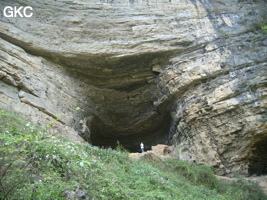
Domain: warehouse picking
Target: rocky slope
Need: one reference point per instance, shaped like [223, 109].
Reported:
[184, 72]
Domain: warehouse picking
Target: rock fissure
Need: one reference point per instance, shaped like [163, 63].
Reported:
[40, 107]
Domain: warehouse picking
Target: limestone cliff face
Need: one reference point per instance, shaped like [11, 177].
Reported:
[184, 72]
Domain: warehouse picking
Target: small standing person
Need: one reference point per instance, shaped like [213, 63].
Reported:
[142, 147]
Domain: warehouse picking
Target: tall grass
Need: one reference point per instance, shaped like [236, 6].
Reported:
[37, 165]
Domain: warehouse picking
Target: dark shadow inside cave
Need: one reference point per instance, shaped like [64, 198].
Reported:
[151, 127]
[258, 161]
[151, 132]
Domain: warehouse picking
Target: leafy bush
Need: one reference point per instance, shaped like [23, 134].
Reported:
[264, 28]
[15, 166]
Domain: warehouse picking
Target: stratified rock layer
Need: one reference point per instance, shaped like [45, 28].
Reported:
[188, 73]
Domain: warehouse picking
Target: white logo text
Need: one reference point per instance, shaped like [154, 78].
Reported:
[17, 11]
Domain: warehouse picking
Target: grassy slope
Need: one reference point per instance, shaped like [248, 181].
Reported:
[36, 165]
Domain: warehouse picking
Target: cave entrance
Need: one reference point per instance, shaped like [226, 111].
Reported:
[151, 132]
[132, 103]
[132, 126]
[258, 161]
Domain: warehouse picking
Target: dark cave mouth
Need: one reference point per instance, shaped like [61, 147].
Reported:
[152, 132]
[258, 161]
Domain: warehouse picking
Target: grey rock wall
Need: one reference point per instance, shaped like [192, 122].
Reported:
[183, 72]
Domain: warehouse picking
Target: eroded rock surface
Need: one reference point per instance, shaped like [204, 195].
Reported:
[188, 73]
[160, 151]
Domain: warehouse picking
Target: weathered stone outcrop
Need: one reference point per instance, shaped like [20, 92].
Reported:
[188, 73]
[159, 151]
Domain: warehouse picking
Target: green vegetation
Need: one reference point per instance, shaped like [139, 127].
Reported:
[36, 165]
[264, 28]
